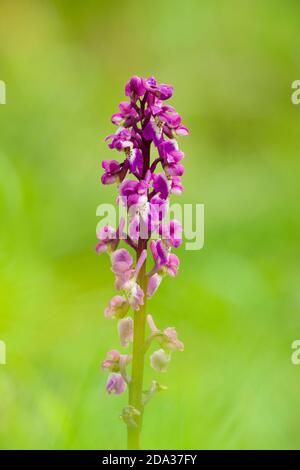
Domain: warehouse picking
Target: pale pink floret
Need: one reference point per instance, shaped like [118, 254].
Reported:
[114, 361]
[121, 261]
[111, 360]
[126, 275]
[135, 296]
[115, 384]
[117, 307]
[170, 340]
[159, 360]
[125, 328]
[153, 284]
[123, 280]
[167, 338]
[172, 265]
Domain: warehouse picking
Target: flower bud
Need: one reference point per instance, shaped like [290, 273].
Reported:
[129, 416]
[117, 307]
[125, 328]
[114, 361]
[154, 388]
[159, 360]
[115, 384]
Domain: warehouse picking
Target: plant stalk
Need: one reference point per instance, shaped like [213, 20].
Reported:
[138, 352]
[136, 384]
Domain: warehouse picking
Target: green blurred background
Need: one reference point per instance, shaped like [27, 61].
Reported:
[235, 303]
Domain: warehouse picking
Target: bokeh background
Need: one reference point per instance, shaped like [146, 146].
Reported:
[235, 303]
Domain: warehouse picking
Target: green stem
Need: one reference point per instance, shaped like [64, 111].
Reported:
[136, 384]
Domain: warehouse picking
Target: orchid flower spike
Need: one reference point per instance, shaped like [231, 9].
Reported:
[144, 185]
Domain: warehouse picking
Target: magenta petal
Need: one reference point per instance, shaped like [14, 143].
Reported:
[162, 252]
[135, 87]
[117, 118]
[136, 162]
[175, 169]
[154, 251]
[161, 206]
[110, 165]
[149, 131]
[164, 92]
[161, 185]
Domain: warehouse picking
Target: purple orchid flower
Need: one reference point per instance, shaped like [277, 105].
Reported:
[121, 140]
[133, 192]
[144, 214]
[162, 91]
[126, 116]
[112, 170]
[169, 152]
[135, 87]
[164, 120]
[165, 262]
[154, 131]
